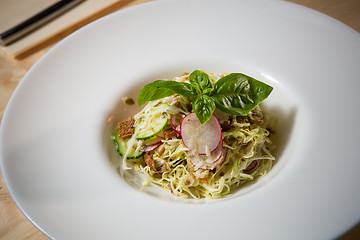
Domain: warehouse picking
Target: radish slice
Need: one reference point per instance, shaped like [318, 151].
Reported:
[216, 159]
[150, 147]
[225, 151]
[175, 125]
[200, 139]
[217, 152]
[252, 166]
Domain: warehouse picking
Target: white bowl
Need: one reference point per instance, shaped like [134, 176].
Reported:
[56, 158]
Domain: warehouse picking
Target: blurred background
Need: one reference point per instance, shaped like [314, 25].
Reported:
[29, 28]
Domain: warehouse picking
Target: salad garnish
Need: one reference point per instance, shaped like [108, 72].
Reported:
[200, 135]
[235, 94]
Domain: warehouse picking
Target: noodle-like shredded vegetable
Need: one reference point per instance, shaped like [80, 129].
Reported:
[246, 141]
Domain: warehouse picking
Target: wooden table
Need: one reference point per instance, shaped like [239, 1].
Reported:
[13, 224]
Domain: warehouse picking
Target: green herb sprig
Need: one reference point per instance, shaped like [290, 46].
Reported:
[235, 94]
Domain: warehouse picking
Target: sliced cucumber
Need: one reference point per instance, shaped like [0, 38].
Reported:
[154, 123]
[121, 146]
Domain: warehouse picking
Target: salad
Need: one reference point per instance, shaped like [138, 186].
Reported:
[200, 135]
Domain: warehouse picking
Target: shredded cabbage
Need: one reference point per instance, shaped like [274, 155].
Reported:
[246, 139]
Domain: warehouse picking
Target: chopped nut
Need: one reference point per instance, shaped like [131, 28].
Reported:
[126, 128]
[166, 167]
[169, 132]
[149, 161]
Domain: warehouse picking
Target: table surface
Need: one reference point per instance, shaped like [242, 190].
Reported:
[13, 224]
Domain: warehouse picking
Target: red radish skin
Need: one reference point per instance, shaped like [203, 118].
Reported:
[174, 125]
[200, 138]
[218, 151]
[252, 166]
[153, 144]
[159, 170]
[218, 162]
[208, 160]
[225, 151]
[150, 147]
[219, 145]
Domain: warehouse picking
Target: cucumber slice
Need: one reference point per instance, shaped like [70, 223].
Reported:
[121, 146]
[154, 123]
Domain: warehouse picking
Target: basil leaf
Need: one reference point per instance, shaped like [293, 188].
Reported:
[200, 80]
[238, 94]
[204, 107]
[147, 94]
[163, 88]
